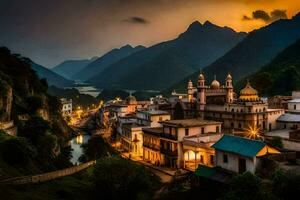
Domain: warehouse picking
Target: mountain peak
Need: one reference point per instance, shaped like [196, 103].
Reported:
[196, 25]
[208, 23]
[127, 46]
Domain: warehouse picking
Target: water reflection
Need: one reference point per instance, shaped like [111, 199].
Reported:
[76, 143]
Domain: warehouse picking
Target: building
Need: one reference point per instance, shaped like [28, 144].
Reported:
[220, 103]
[291, 119]
[169, 144]
[240, 154]
[131, 134]
[67, 107]
[279, 102]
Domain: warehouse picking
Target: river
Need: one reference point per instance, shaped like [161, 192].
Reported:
[76, 143]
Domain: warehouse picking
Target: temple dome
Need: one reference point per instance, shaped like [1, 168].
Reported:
[215, 84]
[248, 93]
[201, 76]
[131, 100]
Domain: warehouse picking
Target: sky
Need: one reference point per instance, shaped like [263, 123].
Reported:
[51, 31]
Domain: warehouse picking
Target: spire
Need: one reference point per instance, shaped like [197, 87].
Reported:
[215, 77]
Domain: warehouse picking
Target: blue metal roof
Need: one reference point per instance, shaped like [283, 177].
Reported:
[239, 145]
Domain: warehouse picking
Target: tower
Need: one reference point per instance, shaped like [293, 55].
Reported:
[190, 91]
[229, 87]
[201, 92]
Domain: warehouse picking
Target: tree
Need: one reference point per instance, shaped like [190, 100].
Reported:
[246, 186]
[17, 151]
[286, 185]
[118, 178]
[276, 142]
[94, 149]
[33, 104]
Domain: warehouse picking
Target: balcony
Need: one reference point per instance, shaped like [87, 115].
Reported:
[169, 136]
[151, 146]
[169, 152]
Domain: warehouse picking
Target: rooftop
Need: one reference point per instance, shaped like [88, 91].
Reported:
[190, 122]
[294, 101]
[289, 118]
[154, 112]
[239, 145]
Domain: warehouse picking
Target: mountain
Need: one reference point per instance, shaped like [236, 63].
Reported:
[253, 52]
[161, 65]
[52, 77]
[70, 67]
[104, 61]
[281, 76]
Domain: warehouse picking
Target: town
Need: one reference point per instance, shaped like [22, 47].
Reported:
[150, 100]
[209, 127]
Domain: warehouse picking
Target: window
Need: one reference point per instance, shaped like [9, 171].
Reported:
[186, 132]
[240, 125]
[160, 119]
[217, 129]
[225, 158]
[202, 130]
[232, 125]
[295, 107]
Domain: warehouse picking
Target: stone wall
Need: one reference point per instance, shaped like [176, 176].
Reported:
[47, 176]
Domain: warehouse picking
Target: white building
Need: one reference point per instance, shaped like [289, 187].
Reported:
[67, 107]
[238, 154]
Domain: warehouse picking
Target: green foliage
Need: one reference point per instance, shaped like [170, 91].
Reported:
[55, 105]
[281, 76]
[17, 151]
[34, 103]
[286, 185]
[266, 167]
[275, 142]
[95, 148]
[118, 178]
[34, 128]
[245, 186]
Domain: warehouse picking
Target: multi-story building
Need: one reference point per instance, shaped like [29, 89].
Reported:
[67, 107]
[172, 144]
[131, 134]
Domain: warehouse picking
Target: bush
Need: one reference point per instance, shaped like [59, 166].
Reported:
[276, 142]
[17, 151]
[118, 178]
[94, 149]
[286, 185]
[245, 186]
[33, 104]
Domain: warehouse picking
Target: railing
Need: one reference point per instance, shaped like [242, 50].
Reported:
[47, 176]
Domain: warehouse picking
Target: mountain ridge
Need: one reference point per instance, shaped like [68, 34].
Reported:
[170, 60]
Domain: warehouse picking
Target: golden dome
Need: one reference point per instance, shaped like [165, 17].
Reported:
[249, 93]
[131, 100]
[201, 76]
[215, 84]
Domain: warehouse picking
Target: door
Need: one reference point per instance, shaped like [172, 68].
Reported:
[242, 165]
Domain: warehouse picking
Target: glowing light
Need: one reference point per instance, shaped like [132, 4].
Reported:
[253, 132]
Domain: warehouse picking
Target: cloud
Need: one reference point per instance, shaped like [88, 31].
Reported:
[278, 14]
[260, 14]
[137, 20]
[266, 17]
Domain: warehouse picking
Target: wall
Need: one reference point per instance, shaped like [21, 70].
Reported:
[233, 162]
[47, 176]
